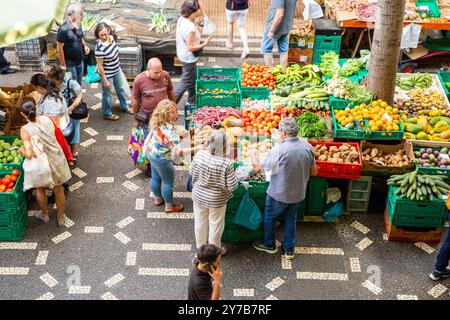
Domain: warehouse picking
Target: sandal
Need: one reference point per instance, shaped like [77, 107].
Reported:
[159, 202]
[111, 117]
[129, 111]
[175, 208]
[39, 216]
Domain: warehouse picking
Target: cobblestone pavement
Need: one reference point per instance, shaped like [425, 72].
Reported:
[123, 247]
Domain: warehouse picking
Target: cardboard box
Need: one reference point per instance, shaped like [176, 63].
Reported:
[300, 56]
[411, 234]
[298, 41]
[370, 168]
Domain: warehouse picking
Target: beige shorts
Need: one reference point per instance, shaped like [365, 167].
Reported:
[238, 16]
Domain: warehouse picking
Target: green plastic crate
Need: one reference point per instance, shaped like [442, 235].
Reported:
[431, 171]
[357, 77]
[442, 44]
[10, 214]
[385, 135]
[339, 132]
[444, 76]
[316, 203]
[323, 43]
[432, 5]
[226, 72]
[9, 201]
[408, 213]
[233, 99]
[16, 231]
[10, 139]
[341, 104]
[255, 93]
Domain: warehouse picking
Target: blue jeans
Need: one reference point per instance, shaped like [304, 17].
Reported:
[444, 253]
[118, 84]
[76, 134]
[77, 72]
[272, 211]
[267, 44]
[163, 176]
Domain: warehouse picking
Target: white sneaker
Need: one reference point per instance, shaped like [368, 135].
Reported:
[244, 54]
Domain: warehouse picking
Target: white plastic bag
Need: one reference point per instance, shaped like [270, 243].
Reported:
[208, 27]
[312, 10]
[37, 173]
[410, 36]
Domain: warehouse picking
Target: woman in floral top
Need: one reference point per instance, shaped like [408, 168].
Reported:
[163, 147]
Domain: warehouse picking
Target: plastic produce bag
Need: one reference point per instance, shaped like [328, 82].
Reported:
[333, 195]
[37, 173]
[208, 27]
[335, 211]
[244, 173]
[248, 214]
[92, 75]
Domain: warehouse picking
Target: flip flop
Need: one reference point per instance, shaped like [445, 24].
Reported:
[175, 209]
[129, 111]
[40, 217]
[111, 117]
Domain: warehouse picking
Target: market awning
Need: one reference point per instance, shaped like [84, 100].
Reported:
[28, 19]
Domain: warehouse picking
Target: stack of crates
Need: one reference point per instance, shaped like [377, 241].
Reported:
[358, 195]
[328, 38]
[301, 48]
[29, 54]
[13, 209]
[131, 60]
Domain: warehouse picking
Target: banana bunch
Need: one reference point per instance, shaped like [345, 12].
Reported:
[420, 187]
[297, 73]
[419, 80]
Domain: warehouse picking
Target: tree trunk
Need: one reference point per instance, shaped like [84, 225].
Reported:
[386, 48]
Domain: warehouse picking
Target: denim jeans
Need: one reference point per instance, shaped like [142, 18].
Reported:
[282, 41]
[163, 176]
[77, 72]
[118, 84]
[272, 211]
[444, 253]
[76, 134]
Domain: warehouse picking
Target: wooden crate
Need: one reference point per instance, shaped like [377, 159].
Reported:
[410, 234]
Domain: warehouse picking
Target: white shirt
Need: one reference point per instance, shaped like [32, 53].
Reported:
[184, 27]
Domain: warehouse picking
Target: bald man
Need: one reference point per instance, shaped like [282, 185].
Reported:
[149, 88]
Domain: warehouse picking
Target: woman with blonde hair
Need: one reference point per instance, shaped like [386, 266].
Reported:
[162, 146]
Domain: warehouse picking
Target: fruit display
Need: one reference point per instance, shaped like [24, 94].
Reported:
[9, 153]
[419, 187]
[418, 80]
[218, 91]
[377, 156]
[297, 73]
[213, 116]
[433, 158]
[344, 88]
[421, 102]
[249, 103]
[257, 76]
[303, 28]
[345, 153]
[9, 181]
[263, 147]
[435, 20]
[207, 77]
[259, 122]
[425, 128]
[311, 126]
[379, 115]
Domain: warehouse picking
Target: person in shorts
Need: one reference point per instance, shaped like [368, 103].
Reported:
[237, 11]
[278, 25]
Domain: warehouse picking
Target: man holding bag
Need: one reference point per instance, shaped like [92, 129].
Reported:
[291, 164]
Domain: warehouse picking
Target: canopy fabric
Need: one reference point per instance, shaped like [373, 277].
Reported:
[28, 19]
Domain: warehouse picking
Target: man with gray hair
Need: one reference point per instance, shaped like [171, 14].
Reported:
[70, 42]
[290, 164]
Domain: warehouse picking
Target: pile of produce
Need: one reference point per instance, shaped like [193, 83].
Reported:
[311, 126]
[218, 91]
[201, 135]
[207, 77]
[419, 187]
[350, 67]
[344, 88]
[9, 153]
[345, 153]
[297, 73]
[259, 122]
[287, 88]
[288, 111]
[263, 147]
[213, 116]
[257, 76]
[249, 103]
[421, 102]
[430, 158]
[344, 5]
[8, 182]
[379, 115]
[377, 156]
[418, 80]
[366, 11]
[303, 28]
[330, 63]
[424, 128]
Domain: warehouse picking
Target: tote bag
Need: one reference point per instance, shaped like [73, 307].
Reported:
[248, 214]
[37, 173]
[62, 142]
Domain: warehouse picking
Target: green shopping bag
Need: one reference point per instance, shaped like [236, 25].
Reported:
[248, 214]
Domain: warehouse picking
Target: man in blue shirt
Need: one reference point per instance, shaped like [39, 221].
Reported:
[290, 164]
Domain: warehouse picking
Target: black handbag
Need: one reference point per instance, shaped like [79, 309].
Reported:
[82, 110]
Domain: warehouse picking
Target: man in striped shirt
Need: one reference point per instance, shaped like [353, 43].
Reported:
[107, 55]
[213, 181]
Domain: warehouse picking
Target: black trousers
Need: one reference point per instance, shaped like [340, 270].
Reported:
[187, 82]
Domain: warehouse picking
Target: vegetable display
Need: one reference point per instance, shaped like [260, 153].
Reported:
[259, 122]
[257, 76]
[418, 80]
[350, 67]
[344, 88]
[263, 147]
[421, 102]
[311, 126]
[330, 63]
[201, 135]
[9, 153]
[249, 103]
[213, 116]
[296, 73]
[215, 77]
[218, 91]
[343, 154]
[366, 11]
[377, 156]
[429, 158]
[419, 187]
[8, 182]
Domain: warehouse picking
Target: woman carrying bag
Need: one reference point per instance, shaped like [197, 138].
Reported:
[39, 142]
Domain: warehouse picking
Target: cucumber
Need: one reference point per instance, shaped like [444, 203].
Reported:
[434, 189]
[442, 190]
[413, 196]
[442, 184]
[417, 196]
[405, 181]
[430, 197]
[412, 177]
[429, 191]
[398, 192]
[420, 179]
[429, 182]
[424, 190]
[419, 193]
[410, 191]
[398, 178]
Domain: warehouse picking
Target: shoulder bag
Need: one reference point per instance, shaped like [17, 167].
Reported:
[62, 141]
[82, 110]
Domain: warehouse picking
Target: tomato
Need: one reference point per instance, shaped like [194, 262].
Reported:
[2, 188]
[15, 172]
[9, 190]
[6, 180]
[13, 178]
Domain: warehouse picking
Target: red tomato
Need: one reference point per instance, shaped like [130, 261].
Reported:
[11, 185]
[13, 178]
[9, 190]
[2, 188]
[6, 180]
[15, 172]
